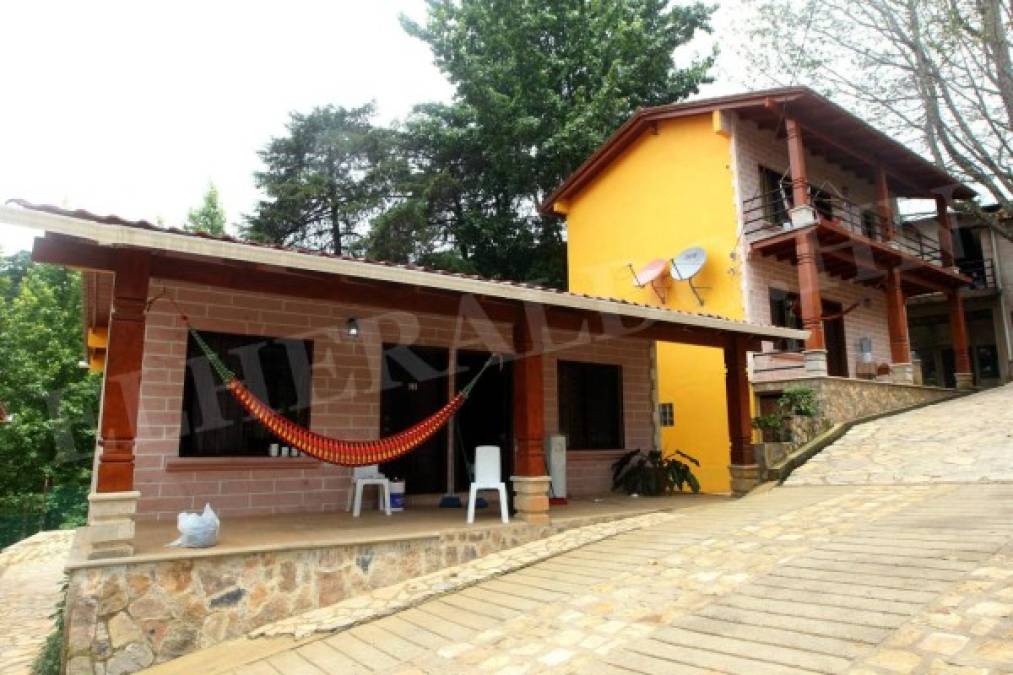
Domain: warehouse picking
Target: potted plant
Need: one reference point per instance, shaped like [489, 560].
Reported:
[652, 474]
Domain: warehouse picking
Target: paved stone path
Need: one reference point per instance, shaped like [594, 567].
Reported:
[963, 440]
[860, 579]
[30, 574]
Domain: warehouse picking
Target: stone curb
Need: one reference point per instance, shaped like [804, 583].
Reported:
[392, 599]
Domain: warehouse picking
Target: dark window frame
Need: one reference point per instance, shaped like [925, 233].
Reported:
[236, 433]
[779, 197]
[580, 420]
[784, 315]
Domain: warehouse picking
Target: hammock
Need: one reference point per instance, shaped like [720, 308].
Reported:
[324, 448]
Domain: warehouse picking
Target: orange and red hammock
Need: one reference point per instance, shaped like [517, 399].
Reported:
[333, 450]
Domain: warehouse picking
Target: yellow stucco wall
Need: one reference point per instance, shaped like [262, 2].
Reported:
[669, 191]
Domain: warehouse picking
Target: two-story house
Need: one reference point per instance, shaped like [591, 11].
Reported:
[793, 203]
[987, 258]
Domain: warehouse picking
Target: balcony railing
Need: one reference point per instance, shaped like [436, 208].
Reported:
[981, 271]
[768, 214]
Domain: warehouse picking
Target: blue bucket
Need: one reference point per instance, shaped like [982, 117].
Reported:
[397, 501]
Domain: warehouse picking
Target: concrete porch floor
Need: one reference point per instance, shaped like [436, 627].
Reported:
[253, 534]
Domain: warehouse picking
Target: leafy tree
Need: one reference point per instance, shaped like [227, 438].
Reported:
[46, 447]
[539, 85]
[209, 217]
[936, 73]
[317, 179]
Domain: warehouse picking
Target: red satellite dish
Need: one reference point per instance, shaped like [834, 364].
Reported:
[649, 272]
[653, 274]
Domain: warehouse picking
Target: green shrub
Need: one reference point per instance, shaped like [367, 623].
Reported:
[50, 659]
[651, 474]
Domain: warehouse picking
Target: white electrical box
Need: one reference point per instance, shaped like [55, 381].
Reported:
[555, 457]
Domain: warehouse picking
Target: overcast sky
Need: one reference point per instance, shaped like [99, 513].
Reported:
[132, 108]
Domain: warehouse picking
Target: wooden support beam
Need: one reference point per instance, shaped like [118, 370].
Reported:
[958, 333]
[809, 288]
[737, 395]
[945, 231]
[884, 207]
[896, 318]
[528, 401]
[122, 384]
[61, 250]
[797, 163]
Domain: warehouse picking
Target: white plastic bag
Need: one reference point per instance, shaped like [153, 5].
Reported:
[197, 530]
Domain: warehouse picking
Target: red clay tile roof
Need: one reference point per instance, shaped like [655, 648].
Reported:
[911, 173]
[81, 214]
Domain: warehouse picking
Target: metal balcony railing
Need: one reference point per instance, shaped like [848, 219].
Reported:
[768, 214]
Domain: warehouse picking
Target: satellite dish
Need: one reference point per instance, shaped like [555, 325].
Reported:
[687, 265]
[649, 272]
[652, 273]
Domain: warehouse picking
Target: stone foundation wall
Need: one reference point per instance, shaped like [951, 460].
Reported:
[124, 616]
[845, 399]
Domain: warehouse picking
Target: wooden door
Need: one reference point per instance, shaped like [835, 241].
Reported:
[836, 342]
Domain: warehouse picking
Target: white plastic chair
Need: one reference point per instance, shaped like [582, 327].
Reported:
[487, 477]
[369, 475]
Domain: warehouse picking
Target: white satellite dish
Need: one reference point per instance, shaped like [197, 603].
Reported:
[687, 265]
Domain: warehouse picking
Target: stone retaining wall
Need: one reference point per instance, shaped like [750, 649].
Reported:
[844, 399]
[124, 616]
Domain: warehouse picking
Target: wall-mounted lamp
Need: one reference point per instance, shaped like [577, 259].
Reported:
[352, 327]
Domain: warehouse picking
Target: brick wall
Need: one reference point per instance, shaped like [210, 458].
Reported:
[589, 472]
[345, 394]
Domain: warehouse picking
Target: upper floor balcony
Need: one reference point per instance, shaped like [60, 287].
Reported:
[854, 241]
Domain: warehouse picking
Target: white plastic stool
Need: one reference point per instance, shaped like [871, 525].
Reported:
[369, 475]
[487, 477]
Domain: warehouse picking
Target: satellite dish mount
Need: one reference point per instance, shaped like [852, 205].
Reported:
[653, 274]
[687, 265]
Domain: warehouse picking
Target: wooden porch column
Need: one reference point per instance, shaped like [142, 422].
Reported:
[743, 468]
[122, 385]
[958, 334]
[811, 304]
[945, 231]
[531, 485]
[112, 506]
[884, 208]
[896, 324]
[796, 163]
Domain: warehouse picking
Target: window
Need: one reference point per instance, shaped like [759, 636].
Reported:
[869, 219]
[777, 199]
[784, 312]
[590, 405]
[666, 414]
[276, 370]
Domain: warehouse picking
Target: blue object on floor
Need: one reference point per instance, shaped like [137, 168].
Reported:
[480, 503]
[450, 502]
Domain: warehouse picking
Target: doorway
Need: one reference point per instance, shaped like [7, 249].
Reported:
[486, 418]
[836, 343]
[415, 385]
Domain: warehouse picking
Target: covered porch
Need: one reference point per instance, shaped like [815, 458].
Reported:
[333, 323]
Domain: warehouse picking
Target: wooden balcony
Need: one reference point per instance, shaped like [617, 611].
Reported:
[854, 243]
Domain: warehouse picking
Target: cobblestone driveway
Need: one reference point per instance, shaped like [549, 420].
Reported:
[963, 440]
[30, 574]
[812, 578]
